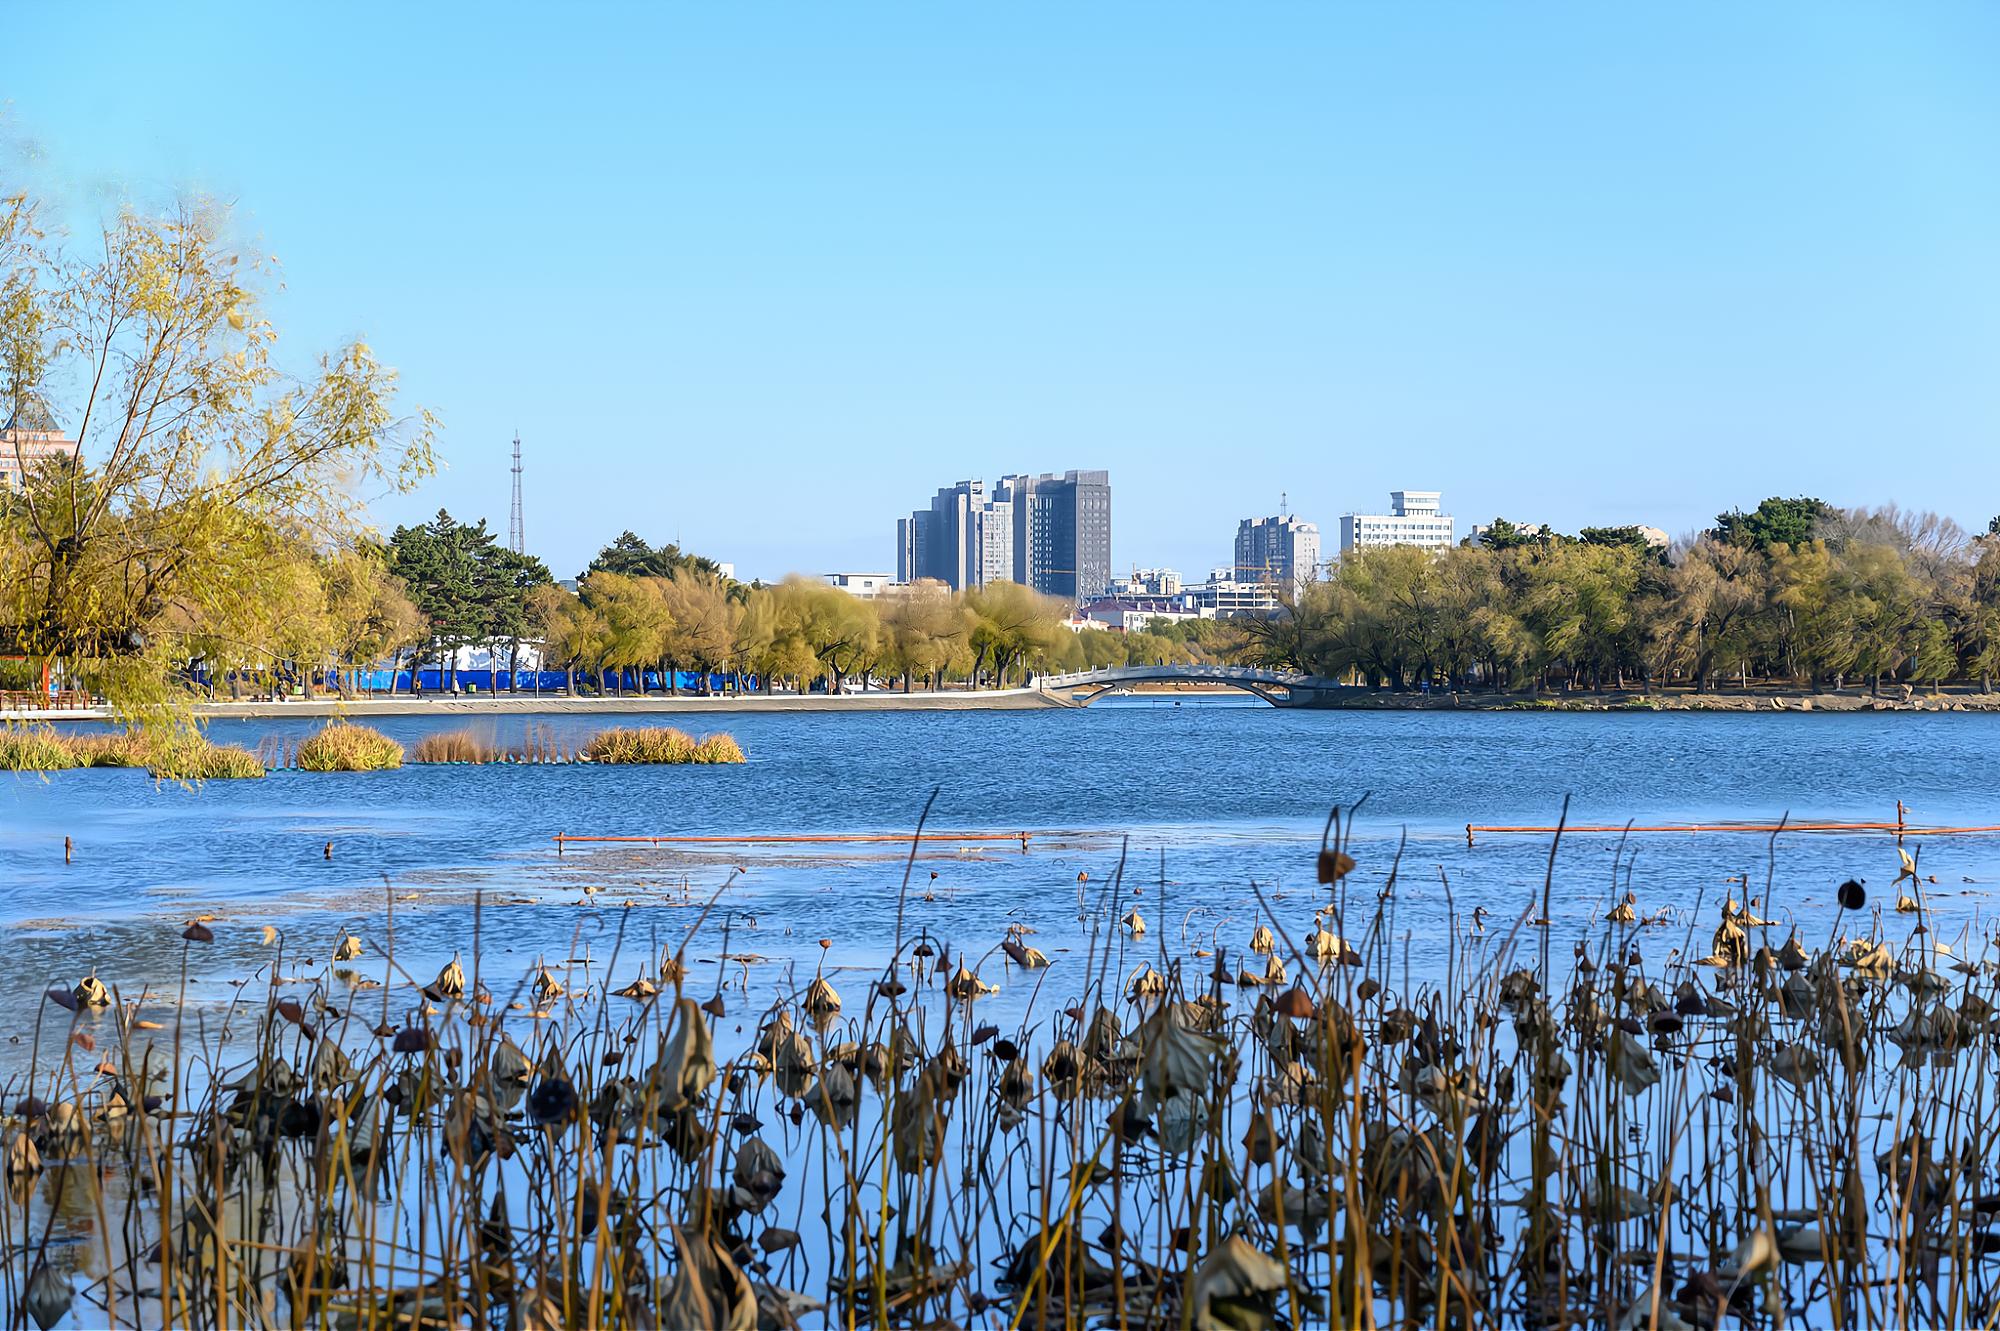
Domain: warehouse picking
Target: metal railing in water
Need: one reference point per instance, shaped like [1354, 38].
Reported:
[799, 838]
[1901, 828]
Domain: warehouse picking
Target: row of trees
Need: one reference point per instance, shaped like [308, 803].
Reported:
[803, 632]
[1796, 591]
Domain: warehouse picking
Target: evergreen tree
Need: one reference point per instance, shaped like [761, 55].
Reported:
[470, 589]
[1774, 522]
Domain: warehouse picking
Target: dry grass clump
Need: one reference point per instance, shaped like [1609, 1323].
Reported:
[108, 750]
[718, 749]
[455, 746]
[33, 749]
[342, 746]
[660, 744]
[651, 745]
[184, 756]
[191, 757]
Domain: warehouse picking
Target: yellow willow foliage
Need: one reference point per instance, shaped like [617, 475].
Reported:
[215, 502]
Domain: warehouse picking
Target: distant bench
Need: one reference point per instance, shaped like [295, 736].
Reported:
[30, 700]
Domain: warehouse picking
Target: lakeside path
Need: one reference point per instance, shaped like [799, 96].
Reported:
[1356, 699]
[881, 700]
[1034, 699]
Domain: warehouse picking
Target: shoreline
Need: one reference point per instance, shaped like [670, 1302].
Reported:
[1033, 699]
[1632, 701]
[875, 700]
[1961, 699]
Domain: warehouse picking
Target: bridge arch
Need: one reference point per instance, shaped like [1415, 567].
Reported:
[1083, 687]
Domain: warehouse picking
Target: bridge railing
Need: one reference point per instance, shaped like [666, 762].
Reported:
[1189, 673]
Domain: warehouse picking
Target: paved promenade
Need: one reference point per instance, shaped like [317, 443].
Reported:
[435, 704]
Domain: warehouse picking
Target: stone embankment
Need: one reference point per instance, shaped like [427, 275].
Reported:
[875, 700]
[1897, 700]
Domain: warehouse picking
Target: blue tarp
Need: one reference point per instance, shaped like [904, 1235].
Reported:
[432, 680]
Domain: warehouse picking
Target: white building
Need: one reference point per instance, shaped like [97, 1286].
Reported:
[1148, 582]
[867, 586]
[1224, 597]
[1412, 519]
[1127, 614]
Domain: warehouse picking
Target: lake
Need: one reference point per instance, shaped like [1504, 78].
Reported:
[1201, 819]
[1204, 798]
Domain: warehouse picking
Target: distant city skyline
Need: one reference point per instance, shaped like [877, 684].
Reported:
[1051, 532]
[729, 271]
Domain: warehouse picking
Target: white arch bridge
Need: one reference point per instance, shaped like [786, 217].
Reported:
[1280, 688]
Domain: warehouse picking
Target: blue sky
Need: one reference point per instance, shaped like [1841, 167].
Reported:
[763, 277]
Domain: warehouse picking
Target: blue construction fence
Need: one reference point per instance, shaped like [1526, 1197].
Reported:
[433, 680]
[549, 681]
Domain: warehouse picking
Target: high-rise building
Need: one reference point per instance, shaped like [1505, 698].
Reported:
[1052, 533]
[1062, 532]
[1412, 519]
[1281, 551]
[30, 438]
[964, 539]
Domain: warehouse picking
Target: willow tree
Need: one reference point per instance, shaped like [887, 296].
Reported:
[1983, 615]
[197, 457]
[925, 629]
[814, 631]
[571, 636]
[632, 623]
[706, 622]
[1013, 624]
[369, 613]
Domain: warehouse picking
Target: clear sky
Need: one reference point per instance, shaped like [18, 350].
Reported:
[762, 277]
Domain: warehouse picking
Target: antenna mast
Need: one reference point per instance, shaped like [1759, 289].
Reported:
[516, 541]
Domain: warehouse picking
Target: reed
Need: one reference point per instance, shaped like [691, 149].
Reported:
[106, 750]
[33, 749]
[1171, 1134]
[192, 757]
[659, 744]
[717, 749]
[455, 746]
[342, 746]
